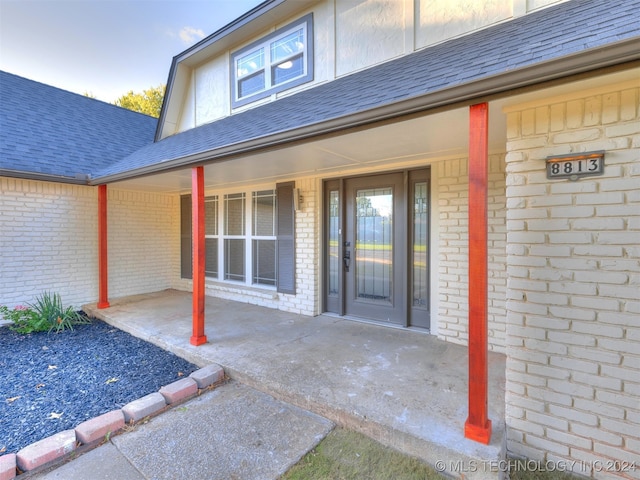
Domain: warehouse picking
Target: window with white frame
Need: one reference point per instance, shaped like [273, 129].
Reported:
[211, 236]
[234, 236]
[279, 61]
[248, 237]
[262, 235]
[263, 238]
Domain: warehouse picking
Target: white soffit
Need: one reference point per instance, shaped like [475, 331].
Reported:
[421, 140]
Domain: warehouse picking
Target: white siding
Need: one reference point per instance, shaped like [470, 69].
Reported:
[212, 91]
[368, 32]
[187, 117]
[439, 20]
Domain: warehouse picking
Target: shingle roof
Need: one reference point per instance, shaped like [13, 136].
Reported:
[551, 33]
[50, 131]
[45, 130]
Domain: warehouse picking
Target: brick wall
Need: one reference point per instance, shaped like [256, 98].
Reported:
[307, 300]
[573, 296]
[49, 241]
[452, 185]
[144, 241]
[48, 235]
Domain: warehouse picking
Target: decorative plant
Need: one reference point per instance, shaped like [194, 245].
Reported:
[46, 314]
[24, 319]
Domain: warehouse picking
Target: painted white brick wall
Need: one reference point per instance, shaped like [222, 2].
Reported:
[573, 295]
[49, 241]
[307, 298]
[453, 261]
[144, 241]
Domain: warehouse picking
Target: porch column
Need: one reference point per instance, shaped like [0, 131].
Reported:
[478, 426]
[197, 221]
[103, 279]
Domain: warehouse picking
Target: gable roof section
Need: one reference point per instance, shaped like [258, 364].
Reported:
[255, 20]
[563, 40]
[51, 134]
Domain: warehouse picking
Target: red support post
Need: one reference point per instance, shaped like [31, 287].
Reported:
[103, 278]
[197, 221]
[478, 426]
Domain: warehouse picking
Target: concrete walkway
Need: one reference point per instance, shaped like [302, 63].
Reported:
[403, 388]
[232, 432]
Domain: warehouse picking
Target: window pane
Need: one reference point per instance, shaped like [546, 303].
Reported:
[234, 214]
[234, 259]
[264, 208]
[288, 46]
[250, 63]
[280, 60]
[287, 70]
[251, 84]
[420, 242]
[264, 262]
[211, 215]
[211, 257]
[374, 244]
[334, 247]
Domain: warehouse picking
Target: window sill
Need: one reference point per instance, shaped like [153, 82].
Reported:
[265, 293]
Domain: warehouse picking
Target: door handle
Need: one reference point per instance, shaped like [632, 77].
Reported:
[346, 256]
[346, 259]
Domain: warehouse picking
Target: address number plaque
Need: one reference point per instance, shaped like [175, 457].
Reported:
[574, 167]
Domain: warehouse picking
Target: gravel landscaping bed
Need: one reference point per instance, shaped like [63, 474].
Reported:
[52, 382]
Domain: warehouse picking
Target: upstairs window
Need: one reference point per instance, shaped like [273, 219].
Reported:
[274, 63]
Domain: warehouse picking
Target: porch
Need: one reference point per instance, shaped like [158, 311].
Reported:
[403, 388]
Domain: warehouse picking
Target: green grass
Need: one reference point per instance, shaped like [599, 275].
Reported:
[521, 470]
[347, 455]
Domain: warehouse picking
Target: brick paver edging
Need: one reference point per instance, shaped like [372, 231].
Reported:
[93, 431]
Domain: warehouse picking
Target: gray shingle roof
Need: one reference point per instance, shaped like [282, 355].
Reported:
[46, 130]
[51, 131]
[551, 33]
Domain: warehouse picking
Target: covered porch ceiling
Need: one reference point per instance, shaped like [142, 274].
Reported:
[421, 139]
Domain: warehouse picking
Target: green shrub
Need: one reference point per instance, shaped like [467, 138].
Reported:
[24, 319]
[46, 314]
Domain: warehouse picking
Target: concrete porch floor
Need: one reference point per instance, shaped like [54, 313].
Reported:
[405, 389]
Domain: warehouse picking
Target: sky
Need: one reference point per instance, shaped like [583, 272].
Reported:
[105, 48]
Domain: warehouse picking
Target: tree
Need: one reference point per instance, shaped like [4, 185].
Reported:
[148, 102]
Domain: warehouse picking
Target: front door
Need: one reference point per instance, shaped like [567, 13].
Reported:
[375, 248]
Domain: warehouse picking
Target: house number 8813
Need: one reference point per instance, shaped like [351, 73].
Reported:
[576, 167]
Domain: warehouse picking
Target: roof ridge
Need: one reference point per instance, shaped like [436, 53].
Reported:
[68, 92]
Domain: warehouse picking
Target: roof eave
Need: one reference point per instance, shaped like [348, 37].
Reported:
[618, 53]
[80, 179]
